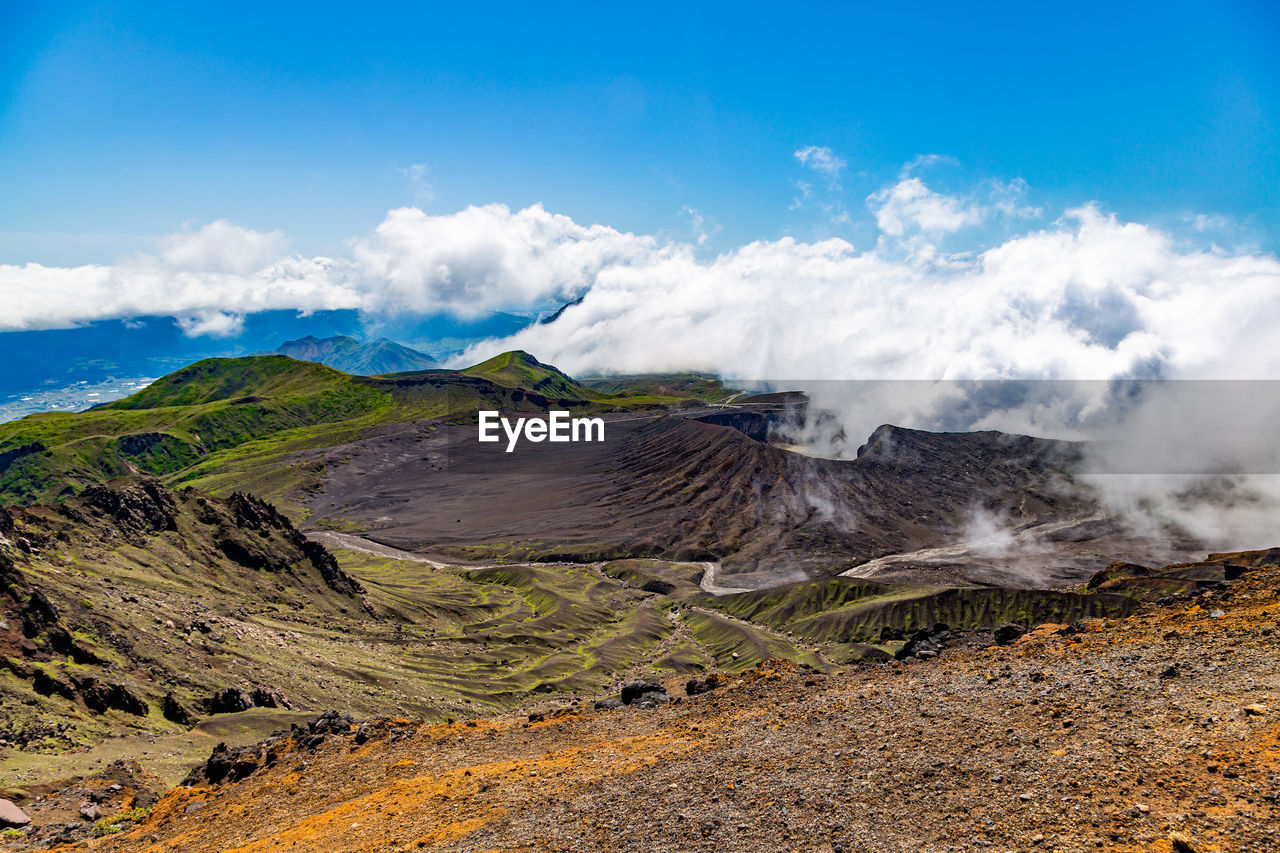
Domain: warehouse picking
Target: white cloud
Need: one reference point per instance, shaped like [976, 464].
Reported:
[1088, 296]
[487, 257]
[822, 160]
[909, 205]
[214, 324]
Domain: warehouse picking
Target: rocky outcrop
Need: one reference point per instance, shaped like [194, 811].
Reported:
[176, 712]
[38, 614]
[139, 507]
[48, 685]
[334, 577]
[101, 698]
[233, 700]
[251, 513]
[269, 697]
[8, 457]
[231, 764]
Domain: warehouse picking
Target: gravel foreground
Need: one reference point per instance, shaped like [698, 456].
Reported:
[1157, 732]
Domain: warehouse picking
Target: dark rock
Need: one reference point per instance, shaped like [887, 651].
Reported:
[229, 701]
[253, 552]
[46, 685]
[218, 765]
[104, 697]
[332, 574]
[226, 764]
[1008, 632]
[38, 614]
[651, 699]
[330, 722]
[925, 642]
[175, 712]
[142, 506]
[61, 641]
[633, 690]
[694, 687]
[269, 697]
[609, 704]
[1170, 671]
[9, 457]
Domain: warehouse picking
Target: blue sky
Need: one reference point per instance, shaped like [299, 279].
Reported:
[121, 122]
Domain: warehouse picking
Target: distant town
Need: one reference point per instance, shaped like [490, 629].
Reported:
[75, 397]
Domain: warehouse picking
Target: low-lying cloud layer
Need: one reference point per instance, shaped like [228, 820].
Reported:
[1087, 296]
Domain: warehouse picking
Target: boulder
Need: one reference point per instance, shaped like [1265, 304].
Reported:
[930, 640]
[269, 697]
[633, 690]
[12, 816]
[694, 687]
[1008, 632]
[175, 712]
[229, 701]
[651, 699]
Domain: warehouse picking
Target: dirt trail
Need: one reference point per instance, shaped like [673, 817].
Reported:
[366, 546]
[708, 582]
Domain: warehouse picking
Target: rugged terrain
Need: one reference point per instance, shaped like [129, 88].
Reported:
[1159, 731]
[834, 621]
[143, 622]
[688, 471]
[944, 508]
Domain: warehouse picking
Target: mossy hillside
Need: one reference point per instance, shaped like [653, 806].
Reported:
[843, 610]
[518, 369]
[177, 422]
[226, 424]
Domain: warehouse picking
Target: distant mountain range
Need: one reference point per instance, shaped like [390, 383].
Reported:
[363, 359]
[72, 369]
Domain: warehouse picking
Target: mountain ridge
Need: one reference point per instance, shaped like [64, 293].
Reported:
[351, 356]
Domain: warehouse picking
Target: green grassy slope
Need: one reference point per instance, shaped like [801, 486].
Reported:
[518, 369]
[205, 409]
[232, 423]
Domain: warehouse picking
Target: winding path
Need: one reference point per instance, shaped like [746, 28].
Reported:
[351, 542]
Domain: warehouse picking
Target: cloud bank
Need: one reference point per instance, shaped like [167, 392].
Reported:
[1088, 296]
